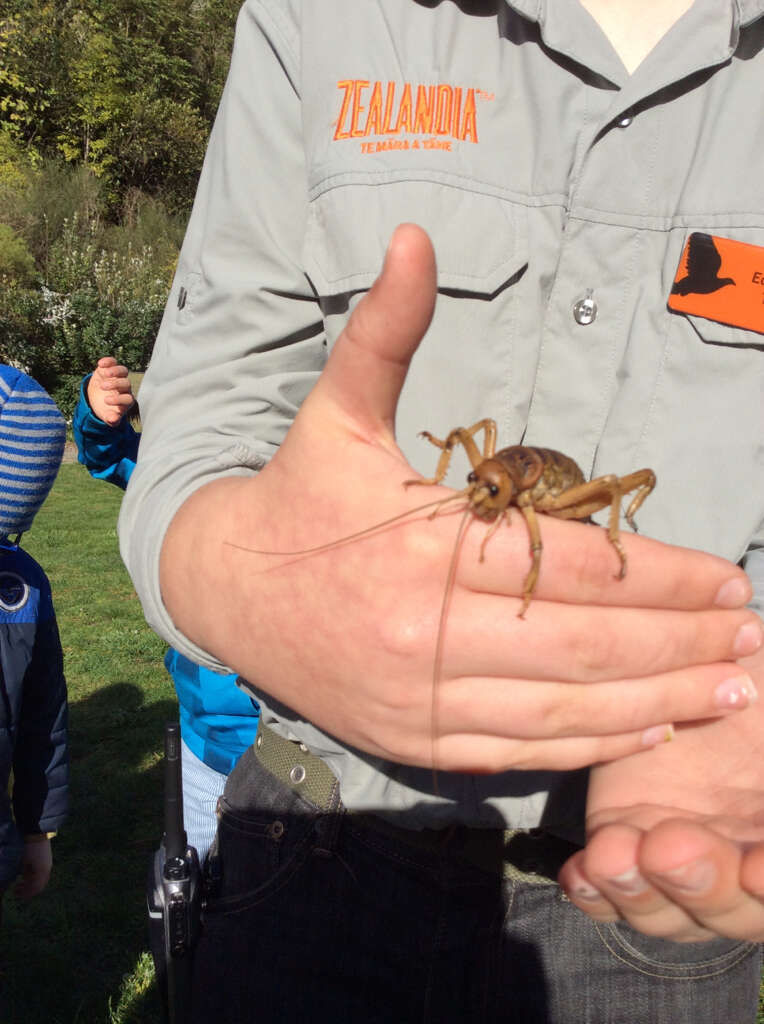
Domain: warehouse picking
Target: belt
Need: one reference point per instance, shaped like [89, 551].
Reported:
[533, 855]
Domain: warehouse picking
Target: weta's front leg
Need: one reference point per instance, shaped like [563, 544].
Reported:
[534, 535]
[465, 437]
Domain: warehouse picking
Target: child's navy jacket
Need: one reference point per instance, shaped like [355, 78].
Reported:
[33, 710]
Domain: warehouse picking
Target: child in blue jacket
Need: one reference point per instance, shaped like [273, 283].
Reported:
[34, 771]
[217, 720]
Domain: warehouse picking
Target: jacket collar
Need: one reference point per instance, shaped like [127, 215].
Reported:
[712, 25]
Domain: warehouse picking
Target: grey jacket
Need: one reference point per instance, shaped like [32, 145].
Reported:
[559, 193]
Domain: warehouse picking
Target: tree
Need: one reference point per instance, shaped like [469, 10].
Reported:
[127, 87]
[105, 108]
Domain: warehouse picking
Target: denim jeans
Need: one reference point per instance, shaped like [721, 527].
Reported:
[321, 915]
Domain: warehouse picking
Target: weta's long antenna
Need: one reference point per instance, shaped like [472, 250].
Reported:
[354, 536]
[437, 664]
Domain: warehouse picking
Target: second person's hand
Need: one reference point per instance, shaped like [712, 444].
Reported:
[109, 391]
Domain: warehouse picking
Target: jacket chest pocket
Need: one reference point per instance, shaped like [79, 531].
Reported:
[479, 240]
[463, 370]
[706, 428]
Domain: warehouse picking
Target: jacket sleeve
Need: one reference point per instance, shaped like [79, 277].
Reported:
[242, 339]
[41, 761]
[108, 453]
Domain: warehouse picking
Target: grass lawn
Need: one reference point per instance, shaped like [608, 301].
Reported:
[78, 953]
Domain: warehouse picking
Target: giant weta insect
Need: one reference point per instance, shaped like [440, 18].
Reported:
[531, 479]
[535, 480]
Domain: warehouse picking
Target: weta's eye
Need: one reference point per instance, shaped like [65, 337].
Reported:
[494, 490]
[471, 477]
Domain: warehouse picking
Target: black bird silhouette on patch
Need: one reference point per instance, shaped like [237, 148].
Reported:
[703, 262]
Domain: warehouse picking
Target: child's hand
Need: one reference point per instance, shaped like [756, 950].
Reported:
[36, 865]
[109, 392]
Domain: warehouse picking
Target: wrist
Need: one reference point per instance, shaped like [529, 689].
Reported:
[85, 392]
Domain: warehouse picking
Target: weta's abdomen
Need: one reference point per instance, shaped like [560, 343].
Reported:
[559, 474]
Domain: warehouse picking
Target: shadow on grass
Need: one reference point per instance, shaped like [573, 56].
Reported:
[63, 957]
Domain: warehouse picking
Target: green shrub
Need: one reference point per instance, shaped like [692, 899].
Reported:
[72, 286]
[66, 393]
[86, 325]
[58, 196]
[16, 173]
[17, 264]
[25, 337]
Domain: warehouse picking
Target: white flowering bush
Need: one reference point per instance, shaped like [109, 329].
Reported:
[96, 290]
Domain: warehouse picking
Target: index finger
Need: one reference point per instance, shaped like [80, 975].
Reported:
[580, 566]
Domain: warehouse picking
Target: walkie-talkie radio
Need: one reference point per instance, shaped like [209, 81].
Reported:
[174, 892]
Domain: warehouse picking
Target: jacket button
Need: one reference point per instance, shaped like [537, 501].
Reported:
[585, 310]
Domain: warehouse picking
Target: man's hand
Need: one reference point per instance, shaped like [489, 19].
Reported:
[599, 667]
[109, 392]
[693, 866]
[36, 866]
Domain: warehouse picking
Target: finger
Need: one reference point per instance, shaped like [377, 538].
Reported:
[752, 871]
[578, 565]
[607, 883]
[570, 642]
[119, 398]
[700, 871]
[533, 710]
[586, 896]
[368, 364]
[483, 753]
[105, 362]
[115, 378]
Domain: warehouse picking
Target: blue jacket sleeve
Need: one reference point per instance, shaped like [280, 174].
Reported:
[108, 453]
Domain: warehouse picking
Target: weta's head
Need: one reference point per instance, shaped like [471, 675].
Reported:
[490, 489]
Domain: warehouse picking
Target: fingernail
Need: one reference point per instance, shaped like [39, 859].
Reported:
[629, 882]
[389, 248]
[748, 640]
[693, 877]
[583, 891]
[657, 734]
[734, 593]
[737, 692]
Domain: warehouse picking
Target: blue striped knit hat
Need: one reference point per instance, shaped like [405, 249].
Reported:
[32, 436]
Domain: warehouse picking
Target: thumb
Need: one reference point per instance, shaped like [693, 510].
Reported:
[369, 362]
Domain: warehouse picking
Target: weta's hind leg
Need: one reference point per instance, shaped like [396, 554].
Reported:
[644, 480]
[584, 500]
[465, 437]
[613, 526]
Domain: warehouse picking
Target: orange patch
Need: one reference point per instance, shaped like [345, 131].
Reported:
[722, 280]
